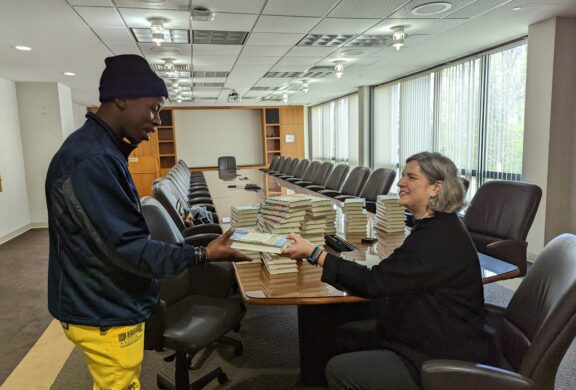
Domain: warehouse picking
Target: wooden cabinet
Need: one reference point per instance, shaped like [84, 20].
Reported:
[283, 132]
[166, 142]
[143, 165]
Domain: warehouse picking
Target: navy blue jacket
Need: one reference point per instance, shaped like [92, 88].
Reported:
[103, 265]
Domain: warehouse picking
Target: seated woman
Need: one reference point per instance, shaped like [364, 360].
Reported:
[426, 298]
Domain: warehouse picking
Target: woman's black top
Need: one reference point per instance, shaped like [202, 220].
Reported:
[427, 295]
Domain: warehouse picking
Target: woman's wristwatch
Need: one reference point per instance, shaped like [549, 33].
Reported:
[315, 255]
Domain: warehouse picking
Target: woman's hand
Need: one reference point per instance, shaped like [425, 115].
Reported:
[219, 249]
[300, 249]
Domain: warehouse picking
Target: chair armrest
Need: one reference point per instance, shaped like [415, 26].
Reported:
[330, 193]
[201, 229]
[155, 326]
[196, 194]
[510, 251]
[197, 201]
[458, 375]
[293, 179]
[344, 197]
[201, 239]
[315, 187]
[303, 183]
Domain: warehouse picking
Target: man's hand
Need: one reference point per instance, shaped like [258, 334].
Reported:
[219, 249]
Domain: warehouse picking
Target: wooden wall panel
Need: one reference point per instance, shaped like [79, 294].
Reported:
[296, 148]
[143, 165]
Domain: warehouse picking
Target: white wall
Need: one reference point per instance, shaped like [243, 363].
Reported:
[42, 134]
[204, 135]
[549, 127]
[79, 112]
[14, 214]
[66, 110]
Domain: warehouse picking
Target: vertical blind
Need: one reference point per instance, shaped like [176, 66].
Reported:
[471, 111]
[335, 130]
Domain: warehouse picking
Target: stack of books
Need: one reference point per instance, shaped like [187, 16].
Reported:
[282, 215]
[278, 283]
[322, 208]
[308, 273]
[355, 219]
[244, 216]
[388, 242]
[244, 239]
[389, 214]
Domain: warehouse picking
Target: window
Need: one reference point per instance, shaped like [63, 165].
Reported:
[471, 111]
[335, 130]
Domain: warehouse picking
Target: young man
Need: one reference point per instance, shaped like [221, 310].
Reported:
[103, 267]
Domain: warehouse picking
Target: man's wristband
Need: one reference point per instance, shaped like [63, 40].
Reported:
[202, 255]
[315, 255]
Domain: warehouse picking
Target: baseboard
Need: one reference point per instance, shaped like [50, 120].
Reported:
[36, 225]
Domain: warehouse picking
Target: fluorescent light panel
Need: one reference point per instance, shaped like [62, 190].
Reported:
[144, 35]
[209, 37]
[324, 39]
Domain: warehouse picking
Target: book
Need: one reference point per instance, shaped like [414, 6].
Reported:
[260, 242]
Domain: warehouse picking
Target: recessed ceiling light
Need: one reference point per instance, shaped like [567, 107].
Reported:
[69, 74]
[22, 48]
[516, 8]
[431, 8]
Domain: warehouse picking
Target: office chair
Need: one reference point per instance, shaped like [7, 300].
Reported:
[308, 174]
[299, 172]
[279, 161]
[320, 176]
[532, 334]
[189, 317]
[353, 183]
[227, 163]
[499, 218]
[378, 183]
[272, 164]
[334, 181]
[290, 169]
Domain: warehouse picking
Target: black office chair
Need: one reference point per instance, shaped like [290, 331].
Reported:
[319, 177]
[290, 169]
[308, 174]
[532, 334]
[378, 183]
[272, 164]
[300, 170]
[227, 163]
[279, 161]
[334, 181]
[353, 183]
[499, 218]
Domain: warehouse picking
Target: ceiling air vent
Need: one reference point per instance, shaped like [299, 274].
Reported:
[289, 75]
[370, 41]
[317, 72]
[211, 85]
[324, 40]
[208, 37]
[264, 88]
[201, 73]
[144, 35]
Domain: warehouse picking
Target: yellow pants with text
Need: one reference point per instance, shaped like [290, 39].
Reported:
[114, 355]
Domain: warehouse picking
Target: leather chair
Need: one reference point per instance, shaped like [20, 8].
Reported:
[276, 165]
[184, 320]
[378, 183]
[465, 182]
[532, 334]
[227, 163]
[353, 183]
[282, 165]
[499, 218]
[290, 169]
[272, 164]
[308, 174]
[165, 191]
[320, 176]
[334, 181]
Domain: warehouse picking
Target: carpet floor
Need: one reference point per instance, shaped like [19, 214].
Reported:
[270, 357]
[23, 304]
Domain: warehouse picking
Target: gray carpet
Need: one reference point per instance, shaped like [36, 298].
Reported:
[23, 312]
[270, 358]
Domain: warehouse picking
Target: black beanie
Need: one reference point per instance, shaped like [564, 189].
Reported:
[129, 76]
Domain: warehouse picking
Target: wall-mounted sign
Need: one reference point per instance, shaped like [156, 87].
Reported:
[289, 137]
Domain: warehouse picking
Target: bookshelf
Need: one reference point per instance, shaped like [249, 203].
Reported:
[166, 142]
[272, 138]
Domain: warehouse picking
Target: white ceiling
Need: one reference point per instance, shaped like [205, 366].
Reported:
[76, 36]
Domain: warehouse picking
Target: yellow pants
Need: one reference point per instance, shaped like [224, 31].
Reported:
[114, 356]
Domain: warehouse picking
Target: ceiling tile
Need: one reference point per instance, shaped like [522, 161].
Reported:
[124, 48]
[264, 51]
[411, 26]
[307, 51]
[92, 3]
[289, 68]
[273, 82]
[285, 24]
[406, 11]
[209, 79]
[440, 26]
[303, 61]
[344, 26]
[100, 17]
[227, 22]
[166, 4]
[298, 7]
[213, 68]
[180, 52]
[206, 91]
[209, 61]
[138, 18]
[249, 60]
[273, 39]
[216, 50]
[367, 8]
[109, 35]
[238, 6]
[476, 8]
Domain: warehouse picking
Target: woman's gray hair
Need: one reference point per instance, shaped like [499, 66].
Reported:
[437, 167]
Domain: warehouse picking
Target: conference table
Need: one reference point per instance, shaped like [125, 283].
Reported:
[321, 307]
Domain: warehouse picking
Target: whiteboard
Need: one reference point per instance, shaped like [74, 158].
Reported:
[204, 135]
